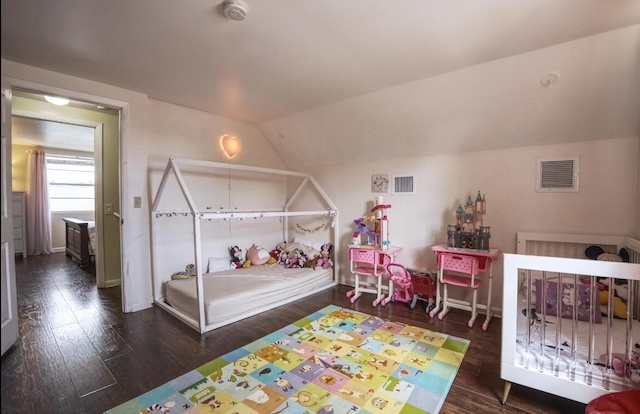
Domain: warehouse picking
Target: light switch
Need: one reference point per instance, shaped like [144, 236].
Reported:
[108, 209]
[137, 202]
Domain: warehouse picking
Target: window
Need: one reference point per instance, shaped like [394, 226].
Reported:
[71, 183]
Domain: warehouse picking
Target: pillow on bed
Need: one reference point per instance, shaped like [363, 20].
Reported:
[218, 264]
[313, 245]
[309, 251]
[568, 298]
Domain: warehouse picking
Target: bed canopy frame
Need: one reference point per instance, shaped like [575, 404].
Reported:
[199, 214]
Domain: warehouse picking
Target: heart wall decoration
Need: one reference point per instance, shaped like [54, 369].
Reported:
[231, 145]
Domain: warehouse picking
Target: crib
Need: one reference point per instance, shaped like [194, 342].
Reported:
[556, 335]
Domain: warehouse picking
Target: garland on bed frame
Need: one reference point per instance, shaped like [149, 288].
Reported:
[320, 227]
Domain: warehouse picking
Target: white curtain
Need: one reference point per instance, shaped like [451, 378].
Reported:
[37, 205]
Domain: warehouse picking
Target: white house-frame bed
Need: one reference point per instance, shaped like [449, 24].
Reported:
[570, 356]
[284, 289]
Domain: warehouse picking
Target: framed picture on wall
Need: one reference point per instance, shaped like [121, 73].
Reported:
[380, 183]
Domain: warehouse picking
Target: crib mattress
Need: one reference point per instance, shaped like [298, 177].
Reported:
[230, 294]
[536, 355]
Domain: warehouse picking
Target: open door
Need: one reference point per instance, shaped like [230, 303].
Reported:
[8, 288]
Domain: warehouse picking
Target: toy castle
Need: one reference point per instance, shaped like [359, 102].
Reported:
[469, 231]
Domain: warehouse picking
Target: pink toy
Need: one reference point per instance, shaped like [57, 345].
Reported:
[362, 228]
[325, 260]
[402, 280]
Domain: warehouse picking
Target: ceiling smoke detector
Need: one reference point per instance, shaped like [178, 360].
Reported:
[235, 9]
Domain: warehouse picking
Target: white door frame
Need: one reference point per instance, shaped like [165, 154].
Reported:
[122, 106]
[9, 323]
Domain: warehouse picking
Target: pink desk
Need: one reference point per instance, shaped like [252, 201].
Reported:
[485, 262]
[391, 251]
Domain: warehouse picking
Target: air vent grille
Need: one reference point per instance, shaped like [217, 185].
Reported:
[405, 184]
[558, 175]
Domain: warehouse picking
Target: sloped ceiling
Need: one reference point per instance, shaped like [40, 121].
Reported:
[330, 81]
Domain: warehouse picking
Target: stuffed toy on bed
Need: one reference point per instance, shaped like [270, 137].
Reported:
[236, 256]
[256, 256]
[325, 256]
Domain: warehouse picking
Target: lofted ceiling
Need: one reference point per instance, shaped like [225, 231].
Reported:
[336, 72]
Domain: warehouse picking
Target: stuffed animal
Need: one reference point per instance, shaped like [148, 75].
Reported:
[236, 256]
[619, 367]
[275, 253]
[312, 263]
[324, 260]
[257, 255]
[619, 287]
[598, 253]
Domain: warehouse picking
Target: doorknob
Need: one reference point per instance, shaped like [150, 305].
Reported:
[117, 215]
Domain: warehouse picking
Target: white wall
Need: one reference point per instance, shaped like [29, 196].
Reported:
[638, 190]
[154, 131]
[605, 204]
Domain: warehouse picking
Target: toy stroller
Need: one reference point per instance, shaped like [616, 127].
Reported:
[401, 278]
[423, 287]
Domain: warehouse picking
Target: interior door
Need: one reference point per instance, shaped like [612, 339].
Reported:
[8, 288]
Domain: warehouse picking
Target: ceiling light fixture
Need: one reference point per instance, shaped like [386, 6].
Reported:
[235, 9]
[56, 100]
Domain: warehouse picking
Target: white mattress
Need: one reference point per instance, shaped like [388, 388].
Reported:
[230, 294]
[546, 355]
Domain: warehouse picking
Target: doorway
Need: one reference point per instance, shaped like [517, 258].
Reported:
[104, 124]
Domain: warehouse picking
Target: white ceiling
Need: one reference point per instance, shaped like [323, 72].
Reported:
[294, 64]
[50, 134]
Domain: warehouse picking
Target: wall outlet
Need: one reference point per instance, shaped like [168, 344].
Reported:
[137, 202]
[108, 209]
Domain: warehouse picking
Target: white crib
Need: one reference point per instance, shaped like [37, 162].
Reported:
[568, 356]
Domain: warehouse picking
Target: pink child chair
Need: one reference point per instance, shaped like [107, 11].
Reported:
[465, 274]
[399, 275]
[369, 263]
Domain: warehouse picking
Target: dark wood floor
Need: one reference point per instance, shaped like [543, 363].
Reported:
[78, 353]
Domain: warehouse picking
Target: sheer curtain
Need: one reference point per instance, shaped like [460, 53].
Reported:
[37, 205]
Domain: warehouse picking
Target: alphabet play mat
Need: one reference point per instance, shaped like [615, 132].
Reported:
[335, 360]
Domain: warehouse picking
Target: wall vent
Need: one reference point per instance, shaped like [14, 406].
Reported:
[557, 175]
[405, 184]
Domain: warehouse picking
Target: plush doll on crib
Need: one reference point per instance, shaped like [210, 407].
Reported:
[633, 370]
[619, 285]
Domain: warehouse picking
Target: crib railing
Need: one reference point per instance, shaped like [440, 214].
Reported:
[555, 341]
